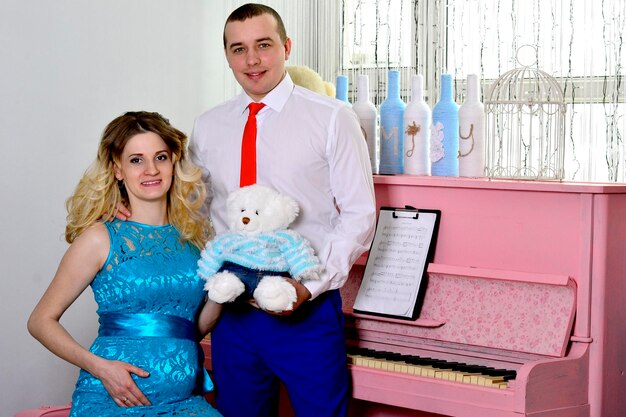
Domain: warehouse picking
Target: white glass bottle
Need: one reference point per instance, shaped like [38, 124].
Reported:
[472, 132]
[417, 120]
[368, 119]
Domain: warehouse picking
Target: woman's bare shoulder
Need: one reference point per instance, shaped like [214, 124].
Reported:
[94, 240]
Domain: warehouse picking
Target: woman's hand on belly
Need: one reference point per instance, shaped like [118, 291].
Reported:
[117, 380]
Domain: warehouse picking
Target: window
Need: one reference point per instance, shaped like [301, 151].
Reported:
[580, 43]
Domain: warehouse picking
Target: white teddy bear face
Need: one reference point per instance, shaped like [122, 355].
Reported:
[255, 209]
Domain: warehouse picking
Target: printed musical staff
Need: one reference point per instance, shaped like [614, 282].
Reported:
[393, 281]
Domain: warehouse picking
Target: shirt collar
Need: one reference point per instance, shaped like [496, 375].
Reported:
[275, 99]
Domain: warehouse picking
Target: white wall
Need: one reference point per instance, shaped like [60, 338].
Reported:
[66, 69]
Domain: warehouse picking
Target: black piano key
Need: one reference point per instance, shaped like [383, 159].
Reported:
[397, 357]
[455, 366]
[435, 363]
[383, 355]
[506, 374]
[481, 369]
[497, 372]
[413, 360]
[440, 365]
[468, 368]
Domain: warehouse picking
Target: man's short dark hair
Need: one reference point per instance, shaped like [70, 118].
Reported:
[250, 10]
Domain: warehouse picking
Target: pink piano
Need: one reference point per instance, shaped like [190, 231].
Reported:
[524, 312]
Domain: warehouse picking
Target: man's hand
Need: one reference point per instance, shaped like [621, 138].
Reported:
[122, 212]
[302, 293]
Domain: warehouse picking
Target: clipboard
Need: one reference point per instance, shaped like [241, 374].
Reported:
[394, 281]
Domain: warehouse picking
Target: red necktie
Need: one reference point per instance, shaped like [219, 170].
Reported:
[248, 147]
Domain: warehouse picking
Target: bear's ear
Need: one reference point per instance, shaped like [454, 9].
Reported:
[288, 206]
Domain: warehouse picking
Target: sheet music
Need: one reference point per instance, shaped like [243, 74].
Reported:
[397, 262]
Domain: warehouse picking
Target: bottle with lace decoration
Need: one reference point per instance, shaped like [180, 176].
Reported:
[444, 139]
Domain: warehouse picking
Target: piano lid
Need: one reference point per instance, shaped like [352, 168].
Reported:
[493, 309]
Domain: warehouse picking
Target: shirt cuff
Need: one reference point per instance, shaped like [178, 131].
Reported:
[317, 287]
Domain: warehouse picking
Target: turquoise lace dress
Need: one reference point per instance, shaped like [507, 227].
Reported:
[152, 276]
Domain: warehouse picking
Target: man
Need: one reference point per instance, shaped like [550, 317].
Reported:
[310, 147]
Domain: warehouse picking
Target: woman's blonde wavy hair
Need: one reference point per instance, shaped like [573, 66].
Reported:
[98, 193]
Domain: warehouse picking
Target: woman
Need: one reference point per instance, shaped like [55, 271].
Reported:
[146, 359]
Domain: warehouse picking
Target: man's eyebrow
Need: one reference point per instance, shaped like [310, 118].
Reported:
[235, 44]
[238, 44]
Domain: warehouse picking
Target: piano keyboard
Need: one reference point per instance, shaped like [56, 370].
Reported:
[431, 368]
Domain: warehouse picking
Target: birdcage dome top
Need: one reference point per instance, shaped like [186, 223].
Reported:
[525, 85]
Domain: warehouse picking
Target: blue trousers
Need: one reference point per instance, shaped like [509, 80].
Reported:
[252, 351]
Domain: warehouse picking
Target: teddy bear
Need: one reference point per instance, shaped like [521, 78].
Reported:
[258, 251]
[306, 77]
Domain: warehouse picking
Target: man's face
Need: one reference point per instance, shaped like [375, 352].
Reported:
[256, 55]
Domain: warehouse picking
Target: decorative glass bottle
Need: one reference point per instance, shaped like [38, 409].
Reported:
[417, 119]
[341, 90]
[392, 128]
[444, 138]
[366, 111]
[472, 132]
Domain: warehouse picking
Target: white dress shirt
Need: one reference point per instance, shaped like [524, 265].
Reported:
[309, 147]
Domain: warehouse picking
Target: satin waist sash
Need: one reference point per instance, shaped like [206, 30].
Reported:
[146, 325]
[155, 325]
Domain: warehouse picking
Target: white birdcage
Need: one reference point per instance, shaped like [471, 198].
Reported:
[525, 117]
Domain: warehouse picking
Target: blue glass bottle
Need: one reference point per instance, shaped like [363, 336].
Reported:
[444, 139]
[341, 89]
[392, 128]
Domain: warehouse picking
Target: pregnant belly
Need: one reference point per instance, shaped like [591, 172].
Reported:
[173, 365]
